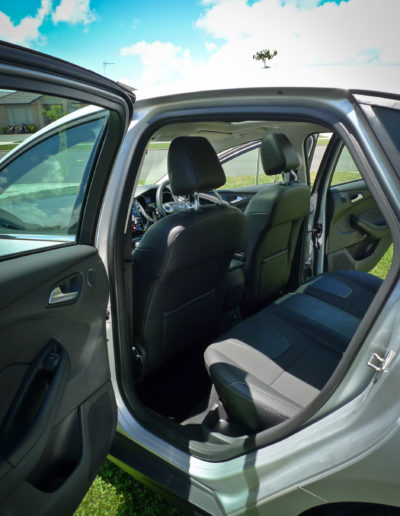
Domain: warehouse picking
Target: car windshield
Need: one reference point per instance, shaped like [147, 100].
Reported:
[154, 166]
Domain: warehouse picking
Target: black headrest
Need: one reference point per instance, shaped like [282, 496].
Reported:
[278, 155]
[193, 166]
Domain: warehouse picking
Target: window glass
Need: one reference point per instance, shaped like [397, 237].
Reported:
[390, 119]
[345, 169]
[246, 170]
[319, 151]
[43, 181]
[154, 165]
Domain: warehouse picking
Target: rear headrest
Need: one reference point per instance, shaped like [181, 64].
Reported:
[193, 166]
[278, 155]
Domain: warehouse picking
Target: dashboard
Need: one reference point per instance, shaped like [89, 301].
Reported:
[144, 211]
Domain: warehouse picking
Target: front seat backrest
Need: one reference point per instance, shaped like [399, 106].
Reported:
[181, 263]
[273, 218]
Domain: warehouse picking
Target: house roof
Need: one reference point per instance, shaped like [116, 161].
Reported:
[19, 97]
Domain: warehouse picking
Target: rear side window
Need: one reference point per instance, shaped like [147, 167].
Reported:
[345, 170]
[316, 153]
[390, 118]
[44, 179]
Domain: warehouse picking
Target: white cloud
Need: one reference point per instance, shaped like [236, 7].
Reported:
[26, 32]
[354, 33]
[135, 23]
[302, 4]
[74, 11]
[210, 46]
[329, 33]
[161, 62]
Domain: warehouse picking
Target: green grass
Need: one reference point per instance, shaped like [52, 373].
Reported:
[339, 177]
[159, 145]
[115, 493]
[8, 146]
[238, 181]
[382, 268]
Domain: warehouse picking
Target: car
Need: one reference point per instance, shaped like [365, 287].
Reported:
[186, 289]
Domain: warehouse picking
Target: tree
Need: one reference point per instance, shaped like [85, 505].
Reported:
[54, 113]
[265, 55]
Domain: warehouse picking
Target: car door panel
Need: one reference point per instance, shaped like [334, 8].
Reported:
[358, 235]
[57, 406]
[54, 378]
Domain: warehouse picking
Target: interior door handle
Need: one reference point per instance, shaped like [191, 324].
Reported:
[58, 296]
[67, 291]
[356, 197]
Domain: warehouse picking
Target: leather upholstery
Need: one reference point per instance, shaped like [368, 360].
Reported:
[273, 219]
[193, 166]
[180, 268]
[273, 364]
[278, 155]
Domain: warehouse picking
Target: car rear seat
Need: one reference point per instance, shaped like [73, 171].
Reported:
[274, 363]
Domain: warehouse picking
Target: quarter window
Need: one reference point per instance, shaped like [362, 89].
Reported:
[345, 169]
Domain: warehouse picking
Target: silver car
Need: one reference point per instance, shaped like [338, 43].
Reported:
[186, 289]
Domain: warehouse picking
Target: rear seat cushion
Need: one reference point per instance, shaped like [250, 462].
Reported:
[250, 397]
[352, 291]
[266, 368]
[271, 365]
[331, 325]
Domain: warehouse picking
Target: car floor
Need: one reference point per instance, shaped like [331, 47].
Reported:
[180, 390]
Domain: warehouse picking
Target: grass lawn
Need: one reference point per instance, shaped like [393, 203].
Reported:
[238, 181]
[382, 268]
[8, 146]
[115, 493]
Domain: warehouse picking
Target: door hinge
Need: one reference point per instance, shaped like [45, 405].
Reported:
[379, 364]
[316, 235]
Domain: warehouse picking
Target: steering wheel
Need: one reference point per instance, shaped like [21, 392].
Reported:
[178, 201]
[159, 197]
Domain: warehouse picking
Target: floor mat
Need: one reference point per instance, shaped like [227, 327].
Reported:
[178, 387]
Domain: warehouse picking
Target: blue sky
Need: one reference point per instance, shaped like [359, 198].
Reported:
[152, 42]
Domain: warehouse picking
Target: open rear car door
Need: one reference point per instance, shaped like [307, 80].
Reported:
[57, 409]
[357, 234]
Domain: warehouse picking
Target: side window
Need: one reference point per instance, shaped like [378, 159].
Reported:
[316, 153]
[245, 169]
[345, 169]
[43, 181]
